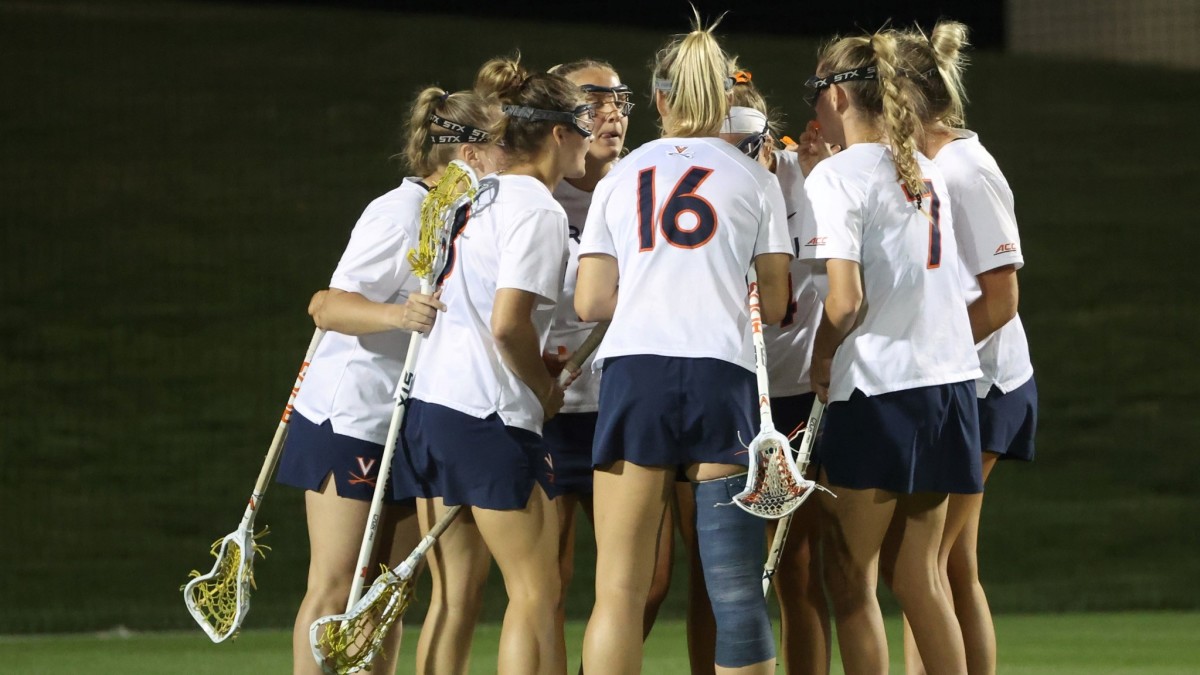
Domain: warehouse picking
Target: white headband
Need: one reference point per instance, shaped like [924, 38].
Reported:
[741, 120]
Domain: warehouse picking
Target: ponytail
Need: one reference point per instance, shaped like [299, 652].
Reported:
[890, 96]
[507, 83]
[939, 62]
[900, 112]
[693, 73]
[438, 122]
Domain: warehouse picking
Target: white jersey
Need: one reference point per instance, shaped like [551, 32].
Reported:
[913, 330]
[985, 223]
[790, 344]
[567, 331]
[515, 237]
[684, 218]
[352, 379]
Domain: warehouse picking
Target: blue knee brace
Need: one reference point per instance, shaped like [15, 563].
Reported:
[731, 551]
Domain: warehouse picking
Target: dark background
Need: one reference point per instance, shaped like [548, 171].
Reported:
[800, 17]
[177, 178]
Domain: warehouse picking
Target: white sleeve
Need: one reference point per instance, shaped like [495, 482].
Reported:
[773, 234]
[533, 253]
[596, 237]
[986, 226]
[833, 218]
[375, 262]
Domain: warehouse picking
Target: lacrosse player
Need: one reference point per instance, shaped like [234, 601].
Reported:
[474, 429]
[893, 354]
[986, 229]
[335, 442]
[677, 224]
[571, 432]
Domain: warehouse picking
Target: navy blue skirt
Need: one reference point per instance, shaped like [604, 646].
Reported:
[471, 461]
[570, 437]
[916, 440]
[789, 412]
[313, 452]
[1008, 422]
[674, 412]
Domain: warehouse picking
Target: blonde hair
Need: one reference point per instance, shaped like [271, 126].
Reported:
[467, 108]
[892, 96]
[697, 69]
[566, 69]
[939, 61]
[505, 81]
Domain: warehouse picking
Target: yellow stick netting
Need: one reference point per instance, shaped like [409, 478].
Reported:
[217, 596]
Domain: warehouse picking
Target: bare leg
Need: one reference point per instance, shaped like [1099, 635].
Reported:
[804, 614]
[701, 626]
[565, 505]
[625, 495]
[917, 584]
[960, 578]
[335, 528]
[525, 546]
[662, 571]
[458, 567]
[852, 538]
[962, 573]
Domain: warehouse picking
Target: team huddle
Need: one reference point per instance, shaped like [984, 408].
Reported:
[884, 246]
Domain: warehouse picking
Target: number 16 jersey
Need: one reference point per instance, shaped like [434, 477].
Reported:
[684, 218]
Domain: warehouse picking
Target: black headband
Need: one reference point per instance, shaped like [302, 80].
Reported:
[861, 73]
[462, 133]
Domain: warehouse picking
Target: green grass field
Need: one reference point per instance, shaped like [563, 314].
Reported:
[178, 178]
[1068, 644]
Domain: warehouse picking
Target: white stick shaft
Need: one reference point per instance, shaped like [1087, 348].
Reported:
[273, 452]
[777, 543]
[804, 453]
[385, 463]
[409, 566]
[575, 361]
[767, 423]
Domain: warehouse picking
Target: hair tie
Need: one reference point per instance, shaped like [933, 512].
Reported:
[742, 77]
[445, 95]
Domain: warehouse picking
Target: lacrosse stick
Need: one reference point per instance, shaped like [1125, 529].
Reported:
[785, 523]
[219, 600]
[348, 643]
[452, 192]
[775, 486]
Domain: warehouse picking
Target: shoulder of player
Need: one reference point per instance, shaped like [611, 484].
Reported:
[966, 165]
[401, 204]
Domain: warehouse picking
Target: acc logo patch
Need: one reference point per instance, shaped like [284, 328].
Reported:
[1006, 248]
[816, 241]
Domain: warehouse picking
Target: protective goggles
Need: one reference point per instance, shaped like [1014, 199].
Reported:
[581, 119]
[461, 133]
[601, 97]
[818, 84]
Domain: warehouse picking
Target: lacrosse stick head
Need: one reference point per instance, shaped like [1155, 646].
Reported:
[453, 191]
[348, 643]
[219, 600]
[775, 487]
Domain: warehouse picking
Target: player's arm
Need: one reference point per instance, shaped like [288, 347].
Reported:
[841, 312]
[517, 340]
[353, 314]
[773, 287]
[998, 304]
[596, 287]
